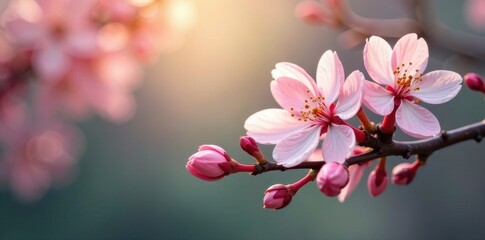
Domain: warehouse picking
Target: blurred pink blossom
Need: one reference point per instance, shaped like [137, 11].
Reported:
[39, 154]
[57, 33]
[71, 58]
[103, 85]
[474, 12]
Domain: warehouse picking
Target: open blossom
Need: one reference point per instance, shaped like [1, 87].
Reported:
[310, 112]
[401, 71]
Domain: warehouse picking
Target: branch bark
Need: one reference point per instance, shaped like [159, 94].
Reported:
[423, 148]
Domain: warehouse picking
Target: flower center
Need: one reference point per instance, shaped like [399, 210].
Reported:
[407, 78]
[313, 109]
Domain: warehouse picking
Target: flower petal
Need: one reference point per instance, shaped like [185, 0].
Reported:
[416, 121]
[350, 98]
[270, 126]
[438, 87]
[291, 70]
[338, 143]
[290, 93]
[378, 99]
[25, 33]
[377, 60]
[355, 174]
[297, 147]
[51, 63]
[330, 76]
[82, 42]
[409, 49]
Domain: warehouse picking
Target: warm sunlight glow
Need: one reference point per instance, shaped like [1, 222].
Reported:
[181, 14]
[140, 3]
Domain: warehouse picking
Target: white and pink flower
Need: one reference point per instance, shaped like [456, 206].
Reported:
[401, 70]
[310, 112]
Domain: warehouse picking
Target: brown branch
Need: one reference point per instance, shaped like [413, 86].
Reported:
[447, 38]
[423, 148]
[421, 19]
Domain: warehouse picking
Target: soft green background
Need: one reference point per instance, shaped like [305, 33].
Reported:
[132, 182]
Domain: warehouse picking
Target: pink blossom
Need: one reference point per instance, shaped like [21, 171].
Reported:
[355, 175]
[377, 181]
[249, 145]
[401, 70]
[209, 163]
[332, 178]
[103, 85]
[313, 12]
[356, 172]
[310, 111]
[277, 196]
[57, 32]
[404, 173]
[474, 82]
[474, 13]
[39, 155]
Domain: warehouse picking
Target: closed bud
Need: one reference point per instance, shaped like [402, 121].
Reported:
[377, 181]
[210, 163]
[404, 173]
[277, 196]
[474, 82]
[331, 178]
[249, 145]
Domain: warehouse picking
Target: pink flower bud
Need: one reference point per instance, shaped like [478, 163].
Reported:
[311, 12]
[249, 145]
[210, 163]
[474, 82]
[377, 181]
[277, 196]
[404, 173]
[331, 178]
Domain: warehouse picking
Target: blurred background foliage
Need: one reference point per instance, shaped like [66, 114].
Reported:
[132, 182]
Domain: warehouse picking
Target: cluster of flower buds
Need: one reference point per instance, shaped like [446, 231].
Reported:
[317, 111]
[83, 57]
